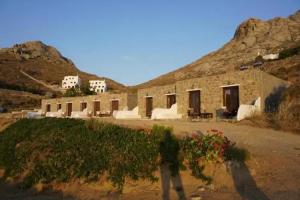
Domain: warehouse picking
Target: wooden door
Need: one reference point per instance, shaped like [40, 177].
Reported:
[195, 102]
[48, 108]
[114, 105]
[96, 107]
[231, 99]
[149, 106]
[171, 99]
[69, 109]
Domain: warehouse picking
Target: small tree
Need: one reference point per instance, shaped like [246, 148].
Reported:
[85, 90]
[72, 92]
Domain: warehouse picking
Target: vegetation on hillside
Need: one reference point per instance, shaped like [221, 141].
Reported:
[83, 90]
[59, 150]
[16, 100]
[289, 52]
[286, 113]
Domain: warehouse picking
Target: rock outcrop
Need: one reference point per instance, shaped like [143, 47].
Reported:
[253, 37]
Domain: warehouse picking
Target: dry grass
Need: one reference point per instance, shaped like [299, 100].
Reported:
[5, 122]
[286, 118]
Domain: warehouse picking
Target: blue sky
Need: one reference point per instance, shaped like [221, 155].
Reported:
[132, 41]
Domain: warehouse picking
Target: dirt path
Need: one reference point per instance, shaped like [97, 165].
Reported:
[275, 155]
[40, 82]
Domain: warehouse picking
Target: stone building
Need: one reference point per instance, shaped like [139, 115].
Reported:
[212, 93]
[205, 96]
[101, 104]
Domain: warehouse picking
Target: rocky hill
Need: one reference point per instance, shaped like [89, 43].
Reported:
[252, 38]
[37, 69]
[40, 62]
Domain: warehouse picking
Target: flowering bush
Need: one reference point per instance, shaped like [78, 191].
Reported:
[210, 147]
[60, 150]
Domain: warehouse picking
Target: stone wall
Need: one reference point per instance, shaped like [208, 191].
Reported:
[211, 90]
[252, 84]
[104, 98]
[271, 89]
[157, 93]
[131, 100]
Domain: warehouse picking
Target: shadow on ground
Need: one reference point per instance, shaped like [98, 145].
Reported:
[169, 168]
[244, 183]
[13, 192]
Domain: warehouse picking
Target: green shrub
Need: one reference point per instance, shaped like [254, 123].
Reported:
[72, 92]
[62, 149]
[85, 90]
[50, 149]
[289, 52]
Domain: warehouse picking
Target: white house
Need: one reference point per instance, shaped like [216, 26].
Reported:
[70, 81]
[98, 86]
[271, 56]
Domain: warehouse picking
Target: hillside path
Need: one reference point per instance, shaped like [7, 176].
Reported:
[40, 82]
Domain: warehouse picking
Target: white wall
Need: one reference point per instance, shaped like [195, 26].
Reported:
[70, 81]
[98, 86]
[271, 56]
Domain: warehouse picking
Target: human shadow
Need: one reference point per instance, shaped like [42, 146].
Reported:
[244, 183]
[170, 165]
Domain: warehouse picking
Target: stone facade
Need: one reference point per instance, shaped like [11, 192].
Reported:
[126, 101]
[251, 83]
[159, 95]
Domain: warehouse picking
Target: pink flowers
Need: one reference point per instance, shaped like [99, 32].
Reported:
[211, 146]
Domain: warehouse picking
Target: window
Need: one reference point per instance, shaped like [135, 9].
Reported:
[114, 105]
[58, 106]
[171, 99]
[83, 106]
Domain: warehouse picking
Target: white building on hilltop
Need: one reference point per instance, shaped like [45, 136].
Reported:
[70, 81]
[98, 86]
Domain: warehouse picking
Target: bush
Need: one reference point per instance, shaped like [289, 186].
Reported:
[50, 149]
[289, 52]
[72, 92]
[288, 115]
[85, 90]
[62, 149]
[210, 147]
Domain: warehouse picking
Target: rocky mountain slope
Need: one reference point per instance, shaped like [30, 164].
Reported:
[40, 62]
[252, 38]
[37, 69]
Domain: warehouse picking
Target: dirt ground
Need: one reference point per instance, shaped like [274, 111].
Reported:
[272, 172]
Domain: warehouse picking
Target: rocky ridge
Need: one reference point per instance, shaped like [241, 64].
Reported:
[252, 37]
